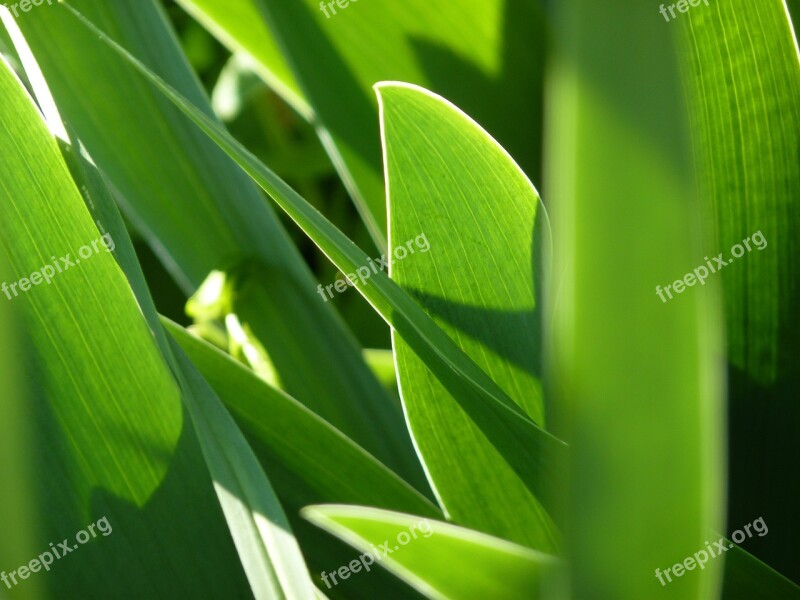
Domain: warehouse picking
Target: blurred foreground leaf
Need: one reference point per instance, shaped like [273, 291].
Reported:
[639, 392]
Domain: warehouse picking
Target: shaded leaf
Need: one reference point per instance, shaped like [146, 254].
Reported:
[742, 75]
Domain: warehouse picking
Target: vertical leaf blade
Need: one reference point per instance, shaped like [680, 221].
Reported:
[644, 490]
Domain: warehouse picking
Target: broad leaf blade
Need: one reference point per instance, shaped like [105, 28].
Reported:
[269, 552]
[240, 26]
[307, 461]
[258, 525]
[260, 530]
[332, 468]
[110, 434]
[451, 183]
[480, 393]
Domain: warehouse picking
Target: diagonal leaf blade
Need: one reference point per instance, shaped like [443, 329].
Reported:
[111, 439]
[400, 311]
[200, 213]
[440, 560]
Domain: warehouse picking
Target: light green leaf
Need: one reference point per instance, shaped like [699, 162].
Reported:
[637, 380]
[306, 459]
[382, 364]
[258, 525]
[452, 185]
[333, 469]
[269, 552]
[110, 436]
[440, 560]
[239, 25]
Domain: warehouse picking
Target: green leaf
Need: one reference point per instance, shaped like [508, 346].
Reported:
[17, 442]
[503, 420]
[637, 380]
[200, 213]
[260, 529]
[239, 26]
[382, 364]
[742, 75]
[452, 185]
[306, 459]
[332, 469]
[485, 55]
[109, 435]
[438, 559]
[269, 552]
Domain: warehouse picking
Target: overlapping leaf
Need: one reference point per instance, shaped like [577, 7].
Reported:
[111, 439]
[496, 413]
[307, 460]
[486, 56]
[200, 213]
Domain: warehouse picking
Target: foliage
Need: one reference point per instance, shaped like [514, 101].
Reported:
[419, 376]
